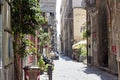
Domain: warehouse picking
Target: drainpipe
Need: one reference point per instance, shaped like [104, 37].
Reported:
[87, 38]
[87, 30]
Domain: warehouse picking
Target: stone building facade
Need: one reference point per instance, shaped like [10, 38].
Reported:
[79, 23]
[6, 38]
[103, 21]
[79, 19]
[66, 27]
[73, 18]
[114, 26]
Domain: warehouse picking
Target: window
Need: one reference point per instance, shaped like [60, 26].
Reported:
[52, 14]
[10, 47]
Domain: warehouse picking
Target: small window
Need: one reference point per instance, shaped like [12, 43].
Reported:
[10, 47]
[52, 14]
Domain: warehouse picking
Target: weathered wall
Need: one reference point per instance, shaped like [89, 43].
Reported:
[8, 59]
[111, 25]
[104, 26]
[79, 20]
[67, 27]
[114, 9]
[95, 37]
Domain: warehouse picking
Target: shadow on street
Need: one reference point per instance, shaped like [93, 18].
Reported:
[84, 72]
[102, 74]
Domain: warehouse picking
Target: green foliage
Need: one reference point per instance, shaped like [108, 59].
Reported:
[26, 19]
[79, 51]
[86, 33]
[44, 38]
[22, 47]
[41, 64]
[26, 16]
[31, 47]
[82, 50]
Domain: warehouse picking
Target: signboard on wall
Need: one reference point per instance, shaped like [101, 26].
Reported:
[48, 5]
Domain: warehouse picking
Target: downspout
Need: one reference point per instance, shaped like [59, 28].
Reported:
[87, 37]
[86, 1]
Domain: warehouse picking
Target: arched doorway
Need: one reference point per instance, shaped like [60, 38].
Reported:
[103, 36]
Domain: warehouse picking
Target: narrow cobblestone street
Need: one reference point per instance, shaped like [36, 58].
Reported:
[67, 69]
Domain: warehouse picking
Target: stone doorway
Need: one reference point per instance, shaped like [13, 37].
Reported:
[103, 38]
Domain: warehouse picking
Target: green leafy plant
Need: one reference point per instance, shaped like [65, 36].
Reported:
[86, 34]
[26, 43]
[79, 51]
[44, 39]
[41, 64]
[26, 19]
[82, 50]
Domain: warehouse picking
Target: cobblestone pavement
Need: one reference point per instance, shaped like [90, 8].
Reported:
[67, 69]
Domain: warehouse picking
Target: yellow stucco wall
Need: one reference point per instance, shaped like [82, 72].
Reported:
[79, 18]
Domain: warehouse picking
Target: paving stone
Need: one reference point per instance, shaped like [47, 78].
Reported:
[67, 69]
